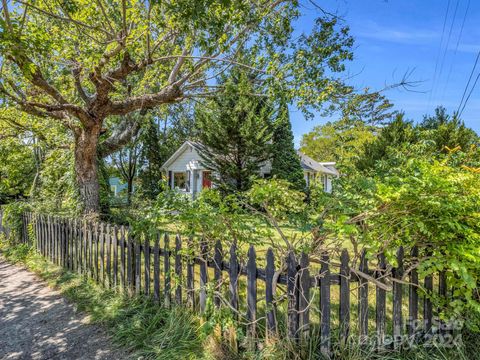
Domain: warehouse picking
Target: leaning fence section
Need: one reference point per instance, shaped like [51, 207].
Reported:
[173, 271]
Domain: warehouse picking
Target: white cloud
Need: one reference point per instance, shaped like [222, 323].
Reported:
[373, 30]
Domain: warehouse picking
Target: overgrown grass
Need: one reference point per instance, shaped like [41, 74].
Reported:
[150, 331]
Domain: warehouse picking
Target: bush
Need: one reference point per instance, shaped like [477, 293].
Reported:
[12, 219]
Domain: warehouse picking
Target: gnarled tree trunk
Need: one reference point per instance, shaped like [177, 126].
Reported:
[86, 167]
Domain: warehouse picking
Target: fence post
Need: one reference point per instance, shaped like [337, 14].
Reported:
[269, 293]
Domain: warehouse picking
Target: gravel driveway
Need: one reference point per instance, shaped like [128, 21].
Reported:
[37, 323]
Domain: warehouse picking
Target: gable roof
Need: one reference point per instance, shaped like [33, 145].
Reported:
[307, 162]
[180, 151]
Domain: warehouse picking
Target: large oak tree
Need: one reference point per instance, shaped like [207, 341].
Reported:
[90, 64]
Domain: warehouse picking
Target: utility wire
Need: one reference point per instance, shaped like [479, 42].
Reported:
[469, 94]
[468, 82]
[456, 48]
[448, 41]
[439, 52]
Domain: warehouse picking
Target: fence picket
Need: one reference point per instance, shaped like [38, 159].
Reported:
[138, 267]
[363, 299]
[203, 275]
[413, 296]
[252, 296]
[130, 260]
[146, 254]
[166, 269]
[123, 246]
[178, 270]
[344, 308]
[217, 265]
[271, 313]
[108, 250]
[397, 300]
[233, 274]
[292, 296]
[325, 306]
[304, 296]
[115, 256]
[156, 269]
[190, 277]
[380, 301]
[100, 252]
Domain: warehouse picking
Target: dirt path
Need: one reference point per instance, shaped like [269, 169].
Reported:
[37, 323]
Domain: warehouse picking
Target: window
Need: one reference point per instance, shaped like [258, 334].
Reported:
[180, 180]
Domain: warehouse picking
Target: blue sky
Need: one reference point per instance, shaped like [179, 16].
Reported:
[393, 37]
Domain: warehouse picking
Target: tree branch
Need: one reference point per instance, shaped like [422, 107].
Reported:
[167, 95]
[121, 136]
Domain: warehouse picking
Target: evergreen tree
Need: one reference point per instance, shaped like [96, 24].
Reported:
[151, 161]
[447, 131]
[235, 129]
[285, 160]
[393, 139]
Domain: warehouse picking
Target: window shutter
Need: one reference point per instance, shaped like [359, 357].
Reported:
[170, 179]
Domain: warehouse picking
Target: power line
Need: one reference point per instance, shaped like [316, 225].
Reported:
[468, 82]
[469, 94]
[448, 41]
[439, 52]
[456, 48]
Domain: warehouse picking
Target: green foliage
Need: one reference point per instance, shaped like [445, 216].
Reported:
[12, 219]
[432, 204]
[151, 160]
[57, 191]
[277, 198]
[393, 141]
[285, 160]
[235, 130]
[340, 141]
[447, 132]
[401, 139]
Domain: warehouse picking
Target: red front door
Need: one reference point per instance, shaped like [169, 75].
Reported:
[206, 180]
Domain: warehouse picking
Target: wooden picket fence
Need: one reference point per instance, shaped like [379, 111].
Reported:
[113, 257]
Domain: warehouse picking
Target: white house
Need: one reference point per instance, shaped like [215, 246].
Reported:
[187, 174]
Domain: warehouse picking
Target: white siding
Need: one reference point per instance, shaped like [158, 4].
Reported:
[188, 160]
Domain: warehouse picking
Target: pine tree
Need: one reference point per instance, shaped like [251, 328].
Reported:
[151, 161]
[235, 130]
[285, 160]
